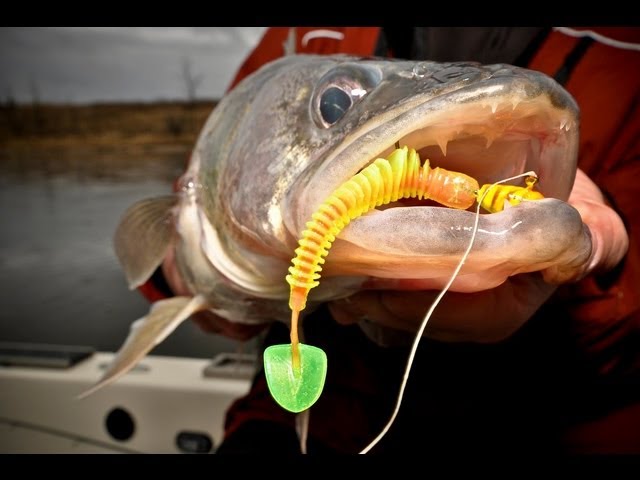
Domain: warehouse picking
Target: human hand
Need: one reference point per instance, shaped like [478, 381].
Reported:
[206, 320]
[495, 314]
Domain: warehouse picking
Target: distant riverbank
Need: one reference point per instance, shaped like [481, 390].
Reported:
[100, 140]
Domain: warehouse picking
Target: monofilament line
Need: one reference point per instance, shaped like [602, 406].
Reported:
[418, 337]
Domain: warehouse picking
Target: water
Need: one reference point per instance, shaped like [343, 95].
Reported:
[59, 277]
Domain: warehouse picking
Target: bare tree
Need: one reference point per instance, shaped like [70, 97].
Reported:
[9, 99]
[35, 90]
[191, 80]
[38, 120]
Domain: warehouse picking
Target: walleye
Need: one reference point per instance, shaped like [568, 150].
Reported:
[287, 136]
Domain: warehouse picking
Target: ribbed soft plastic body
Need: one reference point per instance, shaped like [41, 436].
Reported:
[399, 176]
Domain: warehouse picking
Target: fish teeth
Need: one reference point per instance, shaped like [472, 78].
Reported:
[490, 138]
[442, 143]
[568, 125]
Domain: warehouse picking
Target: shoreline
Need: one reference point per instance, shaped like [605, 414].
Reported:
[103, 140]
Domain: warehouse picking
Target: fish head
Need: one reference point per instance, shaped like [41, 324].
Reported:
[279, 144]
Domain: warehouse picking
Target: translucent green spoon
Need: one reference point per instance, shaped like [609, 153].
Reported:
[295, 385]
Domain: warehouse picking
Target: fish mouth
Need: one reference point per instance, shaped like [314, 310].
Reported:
[493, 147]
[488, 137]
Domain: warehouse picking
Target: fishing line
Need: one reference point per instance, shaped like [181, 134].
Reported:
[418, 337]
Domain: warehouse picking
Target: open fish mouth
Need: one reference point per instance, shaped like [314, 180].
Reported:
[490, 133]
[494, 145]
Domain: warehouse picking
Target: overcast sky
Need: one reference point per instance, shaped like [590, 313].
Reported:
[88, 64]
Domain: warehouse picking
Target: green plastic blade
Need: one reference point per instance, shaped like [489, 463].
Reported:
[295, 389]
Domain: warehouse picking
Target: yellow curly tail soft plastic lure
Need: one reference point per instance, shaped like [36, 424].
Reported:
[384, 181]
[295, 373]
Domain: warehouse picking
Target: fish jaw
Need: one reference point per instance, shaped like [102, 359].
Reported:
[418, 248]
[506, 122]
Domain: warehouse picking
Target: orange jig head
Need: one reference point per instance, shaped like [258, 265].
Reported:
[500, 197]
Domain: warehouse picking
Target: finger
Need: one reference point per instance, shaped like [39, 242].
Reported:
[605, 237]
[487, 316]
[609, 236]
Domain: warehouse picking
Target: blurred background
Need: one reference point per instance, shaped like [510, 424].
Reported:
[91, 120]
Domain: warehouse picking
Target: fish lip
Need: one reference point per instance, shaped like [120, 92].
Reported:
[422, 252]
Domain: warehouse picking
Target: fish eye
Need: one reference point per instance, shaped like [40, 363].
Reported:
[334, 103]
[340, 89]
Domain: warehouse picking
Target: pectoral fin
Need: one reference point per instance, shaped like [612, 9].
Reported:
[146, 332]
[143, 237]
